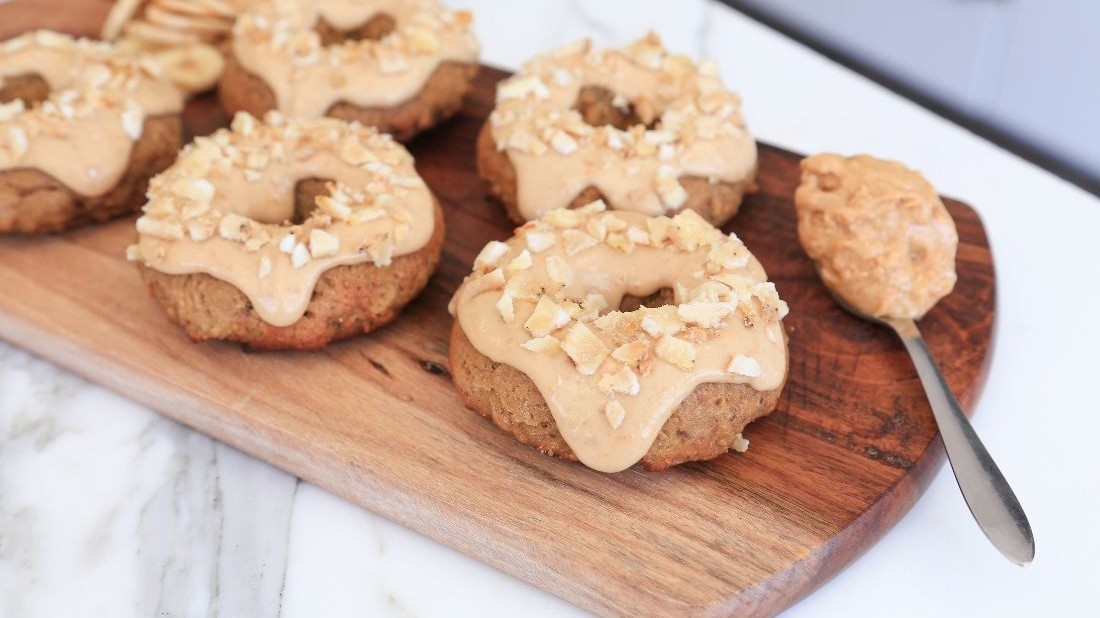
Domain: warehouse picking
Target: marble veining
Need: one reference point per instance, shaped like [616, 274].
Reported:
[169, 522]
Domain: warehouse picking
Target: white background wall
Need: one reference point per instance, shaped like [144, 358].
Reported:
[1030, 67]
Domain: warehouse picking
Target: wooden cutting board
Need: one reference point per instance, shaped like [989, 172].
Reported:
[848, 451]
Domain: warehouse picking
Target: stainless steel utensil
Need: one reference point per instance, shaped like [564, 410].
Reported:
[984, 488]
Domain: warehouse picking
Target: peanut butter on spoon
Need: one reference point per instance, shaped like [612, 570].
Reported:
[878, 233]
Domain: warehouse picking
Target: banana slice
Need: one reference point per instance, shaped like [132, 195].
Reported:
[158, 34]
[193, 68]
[206, 27]
[201, 8]
[121, 12]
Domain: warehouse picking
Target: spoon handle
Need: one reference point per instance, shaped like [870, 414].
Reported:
[984, 488]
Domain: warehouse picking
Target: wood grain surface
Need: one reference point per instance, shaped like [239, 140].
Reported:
[376, 420]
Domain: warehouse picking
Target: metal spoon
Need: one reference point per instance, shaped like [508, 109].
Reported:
[984, 488]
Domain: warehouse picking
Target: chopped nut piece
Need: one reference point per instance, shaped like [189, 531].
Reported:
[197, 189]
[745, 365]
[523, 141]
[365, 215]
[520, 87]
[199, 231]
[609, 321]
[542, 345]
[422, 40]
[133, 120]
[18, 143]
[243, 123]
[660, 229]
[300, 256]
[546, 318]
[676, 351]
[506, 308]
[559, 271]
[520, 262]
[286, 245]
[594, 303]
[159, 228]
[571, 308]
[623, 381]
[705, 314]
[576, 241]
[615, 414]
[563, 217]
[233, 226]
[637, 235]
[632, 353]
[322, 244]
[613, 223]
[692, 230]
[563, 143]
[740, 444]
[538, 242]
[338, 209]
[618, 240]
[490, 255]
[584, 348]
[381, 253]
[597, 228]
[672, 193]
[11, 109]
[521, 286]
[354, 152]
[661, 321]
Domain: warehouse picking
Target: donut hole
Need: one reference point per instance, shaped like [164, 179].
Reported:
[306, 192]
[31, 87]
[597, 106]
[660, 298]
[374, 29]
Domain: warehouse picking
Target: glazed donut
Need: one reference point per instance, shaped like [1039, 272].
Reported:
[288, 234]
[82, 128]
[691, 351]
[641, 128]
[399, 65]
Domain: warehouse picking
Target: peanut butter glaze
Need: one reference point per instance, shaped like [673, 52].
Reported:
[226, 207]
[541, 303]
[82, 134]
[698, 128]
[276, 42]
[879, 234]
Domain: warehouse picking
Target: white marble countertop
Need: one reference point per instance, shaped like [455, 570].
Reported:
[107, 509]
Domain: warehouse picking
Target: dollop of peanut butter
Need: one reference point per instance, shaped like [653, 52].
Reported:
[878, 233]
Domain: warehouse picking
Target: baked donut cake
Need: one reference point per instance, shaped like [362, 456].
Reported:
[82, 128]
[289, 233]
[399, 65]
[615, 338]
[642, 128]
